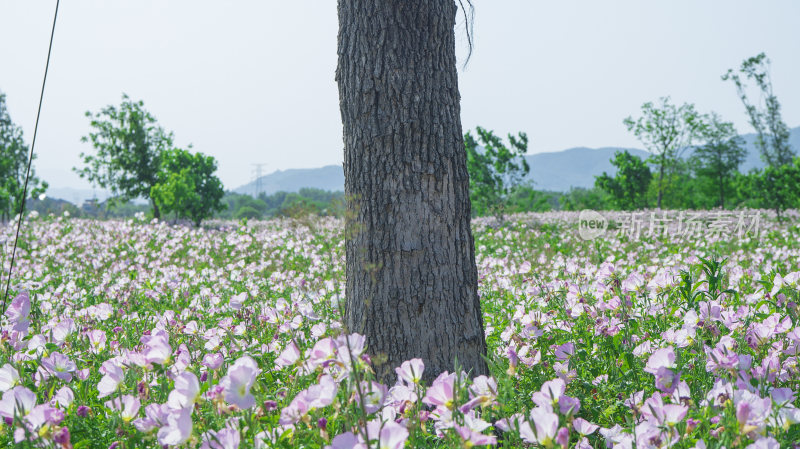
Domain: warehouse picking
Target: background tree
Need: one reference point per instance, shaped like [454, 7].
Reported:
[527, 199]
[579, 198]
[628, 187]
[187, 185]
[130, 144]
[14, 166]
[719, 158]
[776, 187]
[495, 170]
[665, 130]
[772, 134]
[411, 277]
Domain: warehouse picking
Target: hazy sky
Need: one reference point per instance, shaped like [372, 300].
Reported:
[253, 81]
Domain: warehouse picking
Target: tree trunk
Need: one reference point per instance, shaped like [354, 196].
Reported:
[156, 212]
[411, 275]
[661, 180]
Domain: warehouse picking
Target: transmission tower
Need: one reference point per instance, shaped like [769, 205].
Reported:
[257, 172]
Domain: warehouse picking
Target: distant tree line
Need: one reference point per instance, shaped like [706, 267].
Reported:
[237, 206]
[694, 161]
[283, 204]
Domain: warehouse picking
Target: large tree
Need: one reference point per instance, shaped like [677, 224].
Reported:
[772, 134]
[14, 166]
[666, 131]
[411, 274]
[495, 169]
[130, 144]
[719, 158]
[187, 185]
[628, 187]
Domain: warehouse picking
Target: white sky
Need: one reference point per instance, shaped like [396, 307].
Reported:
[253, 81]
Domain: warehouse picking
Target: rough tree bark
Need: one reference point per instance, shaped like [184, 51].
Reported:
[411, 275]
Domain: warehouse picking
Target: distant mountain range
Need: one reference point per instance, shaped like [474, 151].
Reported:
[556, 171]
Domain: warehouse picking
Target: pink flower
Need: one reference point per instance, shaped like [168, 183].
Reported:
[584, 427]
[549, 393]
[752, 411]
[374, 395]
[236, 385]
[545, 425]
[562, 437]
[112, 377]
[155, 416]
[296, 409]
[227, 438]
[315, 396]
[345, 440]
[483, 392]
[177, 429]
[127, 405]
[323, 393]
[472, 438]
[569, 406]
[673, 414]
[410, 371]
[39, 416]
[514, 422]
[18, 312]
[565, 351]
[440, 393]
[97, 341]
[765, 443]
[389, 435]
[237, 301]
[213, 360]
[186, 391]
[667, 380]
[59, 365]
[289, 356]
[661, 358]
[157, 348]
[17, 401]
[8, 377]
[349, 349]
[63, 398]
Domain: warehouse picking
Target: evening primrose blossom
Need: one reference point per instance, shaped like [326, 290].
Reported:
[17, 401]
[186, 391]
[9, 377]
[127, 406]
[237, 383]
[410, 371]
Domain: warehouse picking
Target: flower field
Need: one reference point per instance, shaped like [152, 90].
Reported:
[129, 334]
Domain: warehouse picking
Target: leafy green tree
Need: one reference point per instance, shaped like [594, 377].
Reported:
[719, 158]
[683, 189]
[772, 134]
[777, 187]
[247, 212]
[187, 185]
[14, 166]
[526, 199]
[495, 170]
[579, 198]
[665, 130]
[130, 145]
[628, 187]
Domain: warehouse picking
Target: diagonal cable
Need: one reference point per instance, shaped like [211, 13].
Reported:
[30, 162]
